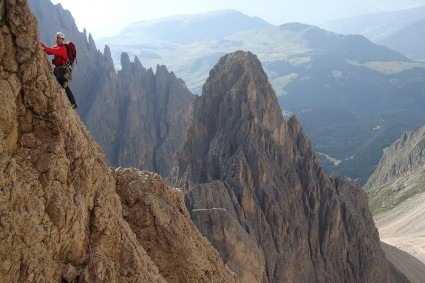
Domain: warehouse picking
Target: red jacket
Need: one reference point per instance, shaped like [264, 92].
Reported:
[60, 52]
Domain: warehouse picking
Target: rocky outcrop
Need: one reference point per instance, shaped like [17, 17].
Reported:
[162, 224]
[255, 189]
[61, 219]
[399, 174]
[137, 116]
[403, 157]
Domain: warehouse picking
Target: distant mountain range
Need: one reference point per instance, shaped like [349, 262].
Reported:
[409, 40]
[280, 49]
[184, 29]
[377, 26]
[307, 66]
[403, 30]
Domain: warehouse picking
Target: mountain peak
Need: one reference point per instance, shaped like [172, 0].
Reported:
[250, 175]
[236, 99]
[244, 88]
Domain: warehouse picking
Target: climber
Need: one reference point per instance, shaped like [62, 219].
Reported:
[60, 60]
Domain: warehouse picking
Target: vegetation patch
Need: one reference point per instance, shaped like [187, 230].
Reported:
[387, 197]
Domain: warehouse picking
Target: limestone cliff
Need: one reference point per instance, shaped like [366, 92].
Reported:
[255, 189]
[61, 219]
[138, 116]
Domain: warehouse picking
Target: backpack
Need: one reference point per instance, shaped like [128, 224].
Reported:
[72, 53]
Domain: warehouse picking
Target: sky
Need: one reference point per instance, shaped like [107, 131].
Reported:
[103, 18]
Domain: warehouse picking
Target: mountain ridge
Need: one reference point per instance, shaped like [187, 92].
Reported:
[382, 28]
[295, 54]
[408, 41]
[399, 30]
[185, 29]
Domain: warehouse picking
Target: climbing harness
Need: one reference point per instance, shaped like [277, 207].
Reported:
[67, 71]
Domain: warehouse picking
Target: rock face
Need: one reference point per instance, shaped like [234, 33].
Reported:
[404, 156]
[255, 189]
[61, 219]
[137, 116]
[162, 224]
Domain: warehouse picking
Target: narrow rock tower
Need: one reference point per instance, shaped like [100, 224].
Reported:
[255, 189]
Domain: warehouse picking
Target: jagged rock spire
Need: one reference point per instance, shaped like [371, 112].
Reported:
[257, 192]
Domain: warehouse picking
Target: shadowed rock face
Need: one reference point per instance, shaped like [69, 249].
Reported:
[255, 189]
[139, 117]
[162, 224]
[57, 193]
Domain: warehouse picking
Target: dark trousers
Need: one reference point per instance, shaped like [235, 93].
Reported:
[59, 73]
